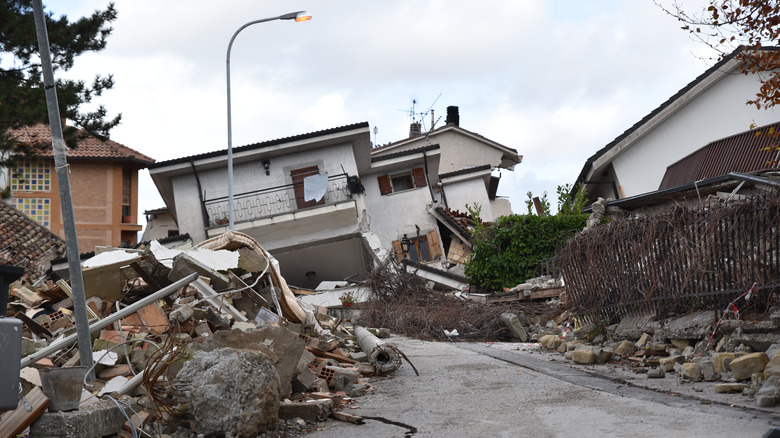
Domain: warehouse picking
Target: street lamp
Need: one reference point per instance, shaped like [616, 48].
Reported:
[296, 16]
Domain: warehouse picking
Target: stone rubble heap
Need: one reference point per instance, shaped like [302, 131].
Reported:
[229, 354]
[740, 356]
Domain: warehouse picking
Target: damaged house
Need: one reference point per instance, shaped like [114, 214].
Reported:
[709, 108]
[327, 204]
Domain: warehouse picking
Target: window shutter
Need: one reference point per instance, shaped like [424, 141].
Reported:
[399, 253]
[433, 244]
[419, 177]
[384, 185]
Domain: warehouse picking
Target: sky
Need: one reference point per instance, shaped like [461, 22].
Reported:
[556, 80]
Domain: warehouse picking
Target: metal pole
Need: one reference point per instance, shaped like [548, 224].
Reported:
[105, 322]
[66, 202]
[289, 16]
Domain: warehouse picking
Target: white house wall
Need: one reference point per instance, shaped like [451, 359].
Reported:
[717, 113]
[249, 176]
[393, 215]
[467, 193]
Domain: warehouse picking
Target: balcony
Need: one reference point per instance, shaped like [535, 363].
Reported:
[275, 201]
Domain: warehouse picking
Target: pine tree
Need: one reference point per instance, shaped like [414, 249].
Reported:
[22, 96]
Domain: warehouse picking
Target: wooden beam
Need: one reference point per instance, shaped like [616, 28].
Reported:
[14, 422]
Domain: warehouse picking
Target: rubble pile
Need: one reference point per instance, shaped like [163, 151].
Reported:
[736, 355]
[189, 341]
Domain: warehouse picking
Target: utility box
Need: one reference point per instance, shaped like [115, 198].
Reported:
[10, 343]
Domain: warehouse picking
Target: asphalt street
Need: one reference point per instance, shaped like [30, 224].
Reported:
[513, 390]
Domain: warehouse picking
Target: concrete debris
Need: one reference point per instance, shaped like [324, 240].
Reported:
[210, 340]
[693, 347]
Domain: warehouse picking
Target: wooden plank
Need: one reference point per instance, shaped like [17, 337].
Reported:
[349, 418]
[337, 357]
[15, 422]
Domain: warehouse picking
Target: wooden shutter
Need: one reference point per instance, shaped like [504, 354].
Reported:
[419, 177]
[385, 187]
[297, 176]
[399, 253]
[433, 244]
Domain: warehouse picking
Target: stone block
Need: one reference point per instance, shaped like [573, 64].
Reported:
[722, 361]
[311, 411]
[512, 322]
[632, 327]
[643, 340]
[584, 356]
[729, 387]
[91, 421]
[708, 370]
[691, 371]
[562, 348]
[743, 367]
[667, 363]
[656, 373]
[625, 348]
[185, 264]
[773, 367]
[569, 355]
[765, 401]
[304, 380]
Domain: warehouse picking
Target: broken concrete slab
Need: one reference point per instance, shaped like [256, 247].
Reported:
[93, 421]
[512, 322]
[230, 391]
[696, 325]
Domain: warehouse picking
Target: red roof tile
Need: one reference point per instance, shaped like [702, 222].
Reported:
[26, 244]
[90, 147]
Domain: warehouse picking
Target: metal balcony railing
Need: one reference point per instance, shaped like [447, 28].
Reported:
[274, 201]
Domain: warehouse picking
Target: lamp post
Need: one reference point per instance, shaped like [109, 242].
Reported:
[297, 16]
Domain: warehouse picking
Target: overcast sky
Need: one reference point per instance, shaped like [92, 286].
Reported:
[556, 80]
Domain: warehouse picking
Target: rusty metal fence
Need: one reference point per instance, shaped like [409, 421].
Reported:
[676, 262]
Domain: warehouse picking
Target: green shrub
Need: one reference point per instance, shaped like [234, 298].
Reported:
[508, 251]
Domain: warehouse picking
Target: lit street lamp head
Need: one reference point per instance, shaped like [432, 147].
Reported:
[297, 16]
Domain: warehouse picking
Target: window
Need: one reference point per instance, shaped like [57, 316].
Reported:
[402, 181]
[298, 176]
[423, 248]
[33, 175]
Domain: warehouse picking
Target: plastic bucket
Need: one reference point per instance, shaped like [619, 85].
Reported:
[63, 387]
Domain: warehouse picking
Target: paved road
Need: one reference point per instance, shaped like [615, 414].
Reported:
[481, 390]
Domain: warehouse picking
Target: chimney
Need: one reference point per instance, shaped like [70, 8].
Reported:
[415, 129]
[452, 115]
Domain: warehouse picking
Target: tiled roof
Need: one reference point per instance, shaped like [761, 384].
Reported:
[404, 153]
[88, 148]
[465, 171]
[748, 151]
[462, 221]
[26, 244]
[264, 144]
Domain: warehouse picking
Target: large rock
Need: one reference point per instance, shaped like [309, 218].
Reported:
[230, 392]
[625, 348]
[743, 367]
[722, 361]
[90, 421]
[283, 348]
[512, 322]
